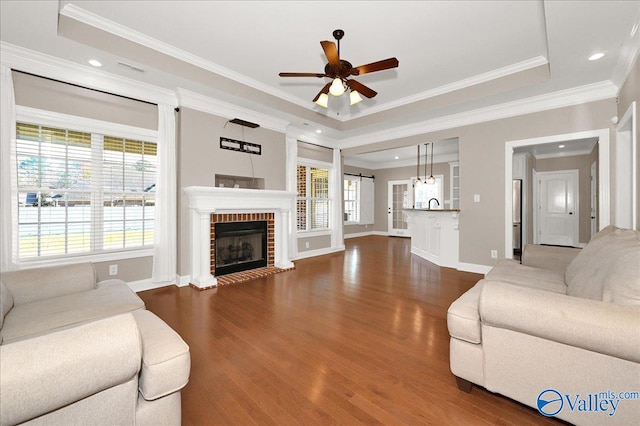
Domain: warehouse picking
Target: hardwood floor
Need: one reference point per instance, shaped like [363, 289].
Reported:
[358, 337]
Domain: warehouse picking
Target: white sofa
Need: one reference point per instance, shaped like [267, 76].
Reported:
[556, 330]
[74, 351]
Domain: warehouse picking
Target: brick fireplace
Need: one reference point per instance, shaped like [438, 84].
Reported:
[211, 205]
[242, 253]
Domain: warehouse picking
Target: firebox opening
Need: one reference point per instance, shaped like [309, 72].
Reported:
[240, 246]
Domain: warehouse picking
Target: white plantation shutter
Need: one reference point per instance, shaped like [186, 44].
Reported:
[367, 195]
[82, 192]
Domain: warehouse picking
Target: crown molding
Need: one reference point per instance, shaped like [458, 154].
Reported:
[625, 64]
[19, 58]
[458, 85]
[74, 12]
[563, 98]
[189, 99]
[81, 15]
[393, 164]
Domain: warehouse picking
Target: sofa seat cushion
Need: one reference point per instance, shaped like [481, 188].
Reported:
[166, 361]
[511, 271]
[463, 317]
[32, 319]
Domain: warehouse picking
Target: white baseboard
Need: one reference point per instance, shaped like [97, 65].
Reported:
[144, 285]
[472, 267]
[319, 252]
[358, 234]
[380, 233]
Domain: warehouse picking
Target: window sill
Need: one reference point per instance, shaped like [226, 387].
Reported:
[318, 233]
[93, 258]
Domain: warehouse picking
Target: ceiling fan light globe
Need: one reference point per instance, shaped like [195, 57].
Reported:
[354, 97]
[323, 100]
[337, 87]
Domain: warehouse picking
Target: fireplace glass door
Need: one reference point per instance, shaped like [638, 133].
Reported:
[240, 246]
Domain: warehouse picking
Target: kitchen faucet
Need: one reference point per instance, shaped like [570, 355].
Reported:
[432, 199]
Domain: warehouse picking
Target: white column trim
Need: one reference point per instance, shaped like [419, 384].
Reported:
[335, 219]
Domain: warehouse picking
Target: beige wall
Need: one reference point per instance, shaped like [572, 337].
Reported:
[40, 93]
[582, 163]
[315, 152]
[482, 153]
[630, 92]
[49, 95]
[200, 159]
[318, 242]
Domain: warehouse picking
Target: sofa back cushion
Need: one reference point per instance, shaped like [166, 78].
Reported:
[6, 302]
[32, 285]
[608, 268]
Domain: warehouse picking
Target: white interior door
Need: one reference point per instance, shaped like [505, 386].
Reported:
[557, 201]
[399, 197]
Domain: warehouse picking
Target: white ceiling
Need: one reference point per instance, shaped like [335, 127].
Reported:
[455, 56]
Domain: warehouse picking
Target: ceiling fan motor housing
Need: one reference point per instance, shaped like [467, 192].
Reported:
[343, 71]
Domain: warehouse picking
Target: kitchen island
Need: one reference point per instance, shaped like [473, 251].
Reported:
[434, 235]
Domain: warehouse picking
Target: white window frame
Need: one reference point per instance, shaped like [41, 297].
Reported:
[329, 167]
[83, 124]
[440, 197]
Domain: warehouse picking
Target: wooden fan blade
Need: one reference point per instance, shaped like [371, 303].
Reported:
[385, 64]
[301, 74]
[331, 51]
[325, 89]
[361, 88]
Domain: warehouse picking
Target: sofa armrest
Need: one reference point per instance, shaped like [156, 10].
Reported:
[32, 285]
[548, 257]
[593, 325]
[166, 361]
[47, 372]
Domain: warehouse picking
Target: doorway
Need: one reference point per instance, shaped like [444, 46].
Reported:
[603, 185]
[399, 196]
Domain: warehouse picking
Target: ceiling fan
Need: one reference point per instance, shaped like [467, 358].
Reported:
[339, 71]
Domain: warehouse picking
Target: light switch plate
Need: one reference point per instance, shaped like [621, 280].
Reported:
[476, 198]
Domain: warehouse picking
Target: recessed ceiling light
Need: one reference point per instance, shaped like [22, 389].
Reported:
[95, 63]
[318, 131]
[396, 157]
[596, 56]
[561, 146]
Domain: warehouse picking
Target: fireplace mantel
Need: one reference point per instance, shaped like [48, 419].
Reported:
[206, 200]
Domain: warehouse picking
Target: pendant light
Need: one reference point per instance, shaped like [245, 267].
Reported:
[418, 181]
[430, 180]
[426, 161]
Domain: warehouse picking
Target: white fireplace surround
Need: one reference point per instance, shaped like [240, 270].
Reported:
[205, 201]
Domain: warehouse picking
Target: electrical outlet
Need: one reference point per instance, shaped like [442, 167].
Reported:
[494, 254]
[113, 269]
[476, 198]
[306, 244]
